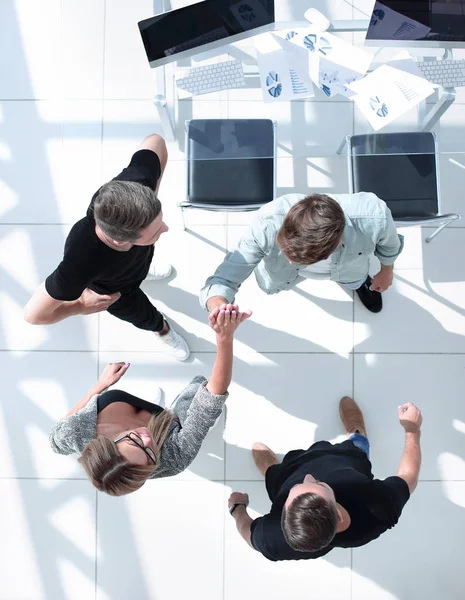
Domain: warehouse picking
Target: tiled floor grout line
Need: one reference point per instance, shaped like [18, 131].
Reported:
[2, 478]
[353, 338]
[353, 331]
[353, 345]
[96, 545]
[102, 109]
[225, 514]
[351, 576]
[250, 353]
[149, 99]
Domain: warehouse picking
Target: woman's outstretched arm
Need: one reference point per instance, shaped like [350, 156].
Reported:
[224, 321]
[111, 374]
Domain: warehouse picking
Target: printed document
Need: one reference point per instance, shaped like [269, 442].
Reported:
[387, 93]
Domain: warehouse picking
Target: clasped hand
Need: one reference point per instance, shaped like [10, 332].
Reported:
[225, 319]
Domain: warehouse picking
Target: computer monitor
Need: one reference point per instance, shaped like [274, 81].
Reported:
[209, 24]
[431, 23]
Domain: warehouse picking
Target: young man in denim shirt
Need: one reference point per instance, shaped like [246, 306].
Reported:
[314, 236]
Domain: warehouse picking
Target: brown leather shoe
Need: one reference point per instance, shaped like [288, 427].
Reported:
[351, 416]
[264, 457]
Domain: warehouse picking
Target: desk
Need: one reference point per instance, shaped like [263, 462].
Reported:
[165, 98]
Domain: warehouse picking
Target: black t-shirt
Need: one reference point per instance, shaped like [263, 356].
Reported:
[373, 505]
[119, 396]
[88, 262]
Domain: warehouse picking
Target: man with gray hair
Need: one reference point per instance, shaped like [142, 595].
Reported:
[109, 253]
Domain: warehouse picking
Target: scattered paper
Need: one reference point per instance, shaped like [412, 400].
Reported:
[323, 44]
[333, 62]
[334, 79]
[387, 93]
[404, 62]
[283, 78]
[388, 24]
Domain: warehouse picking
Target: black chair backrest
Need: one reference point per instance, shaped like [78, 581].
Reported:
[230, 161]
[400, 168]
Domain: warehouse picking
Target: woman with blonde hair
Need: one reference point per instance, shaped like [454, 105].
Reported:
[124, 440]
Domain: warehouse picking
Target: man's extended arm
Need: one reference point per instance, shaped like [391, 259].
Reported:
[237, 265]
[243, 523]
[42, 309]
[409, 468]
[389, 243]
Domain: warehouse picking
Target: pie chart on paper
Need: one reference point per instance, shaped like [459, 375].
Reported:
[290, 35]
[273, 85]
[315, 43]
[379, 107]
[378, 15]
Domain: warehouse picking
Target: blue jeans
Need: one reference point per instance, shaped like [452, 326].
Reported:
[361, 442]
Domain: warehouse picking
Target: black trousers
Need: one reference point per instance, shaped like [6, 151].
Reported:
[136, 308]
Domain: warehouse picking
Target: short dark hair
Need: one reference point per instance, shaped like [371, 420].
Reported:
[312, 229]
[122, 209]
[309, 524]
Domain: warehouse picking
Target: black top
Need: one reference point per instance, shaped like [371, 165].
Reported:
[119, 396]
[373, 505]
[88, 262]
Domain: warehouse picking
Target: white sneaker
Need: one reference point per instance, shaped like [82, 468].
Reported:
[174, 344]
[158, 270]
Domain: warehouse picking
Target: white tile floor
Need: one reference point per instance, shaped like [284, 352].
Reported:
[75, 95]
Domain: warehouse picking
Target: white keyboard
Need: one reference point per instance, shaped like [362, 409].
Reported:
[446, 73]
[210, 78]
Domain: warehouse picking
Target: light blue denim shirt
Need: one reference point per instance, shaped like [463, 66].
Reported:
[369, 229]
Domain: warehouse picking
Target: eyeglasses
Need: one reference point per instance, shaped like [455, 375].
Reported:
[137, 440]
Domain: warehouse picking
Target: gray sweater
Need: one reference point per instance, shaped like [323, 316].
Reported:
[195, 412]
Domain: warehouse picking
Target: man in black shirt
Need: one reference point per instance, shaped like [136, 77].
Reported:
[109, 253]
[325, 497]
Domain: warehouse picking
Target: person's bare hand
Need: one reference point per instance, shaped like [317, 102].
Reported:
[93, 303]
[382, 280]
[112, 373]
[225, 319]
[410, 417]
[215, 302]
[238, 497]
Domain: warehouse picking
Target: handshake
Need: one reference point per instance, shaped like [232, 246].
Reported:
[225, 319]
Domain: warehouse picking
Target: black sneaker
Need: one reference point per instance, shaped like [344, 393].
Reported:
[371, 300]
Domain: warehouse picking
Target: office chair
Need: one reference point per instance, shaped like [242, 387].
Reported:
[400, 168]
[231, 164]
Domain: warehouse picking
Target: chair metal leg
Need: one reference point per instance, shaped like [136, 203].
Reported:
[342, 146]
[183, 219]
[438, 230]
